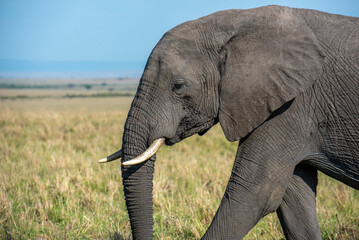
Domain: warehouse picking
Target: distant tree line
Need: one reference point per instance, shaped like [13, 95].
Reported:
[47, 86]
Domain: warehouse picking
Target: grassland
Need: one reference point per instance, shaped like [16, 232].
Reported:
[51, 186]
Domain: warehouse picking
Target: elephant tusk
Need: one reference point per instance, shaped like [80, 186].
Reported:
[147, 154]
[112, 157]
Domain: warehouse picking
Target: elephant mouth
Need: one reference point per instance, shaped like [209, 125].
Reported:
[183, 133]
[172, 141]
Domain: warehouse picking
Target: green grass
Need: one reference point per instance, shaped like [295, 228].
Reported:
[51, 186]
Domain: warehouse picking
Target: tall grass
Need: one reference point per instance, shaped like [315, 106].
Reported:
[51, 186]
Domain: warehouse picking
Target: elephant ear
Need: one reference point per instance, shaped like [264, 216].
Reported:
[264, 66]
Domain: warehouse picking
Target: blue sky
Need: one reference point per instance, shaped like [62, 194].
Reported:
[112, 30]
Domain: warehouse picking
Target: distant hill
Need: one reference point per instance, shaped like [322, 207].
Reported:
[70, 69]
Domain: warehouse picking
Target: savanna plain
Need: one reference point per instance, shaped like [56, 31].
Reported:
[51, 186]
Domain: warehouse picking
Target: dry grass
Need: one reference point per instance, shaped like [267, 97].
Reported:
[72, 105]
[51, 186]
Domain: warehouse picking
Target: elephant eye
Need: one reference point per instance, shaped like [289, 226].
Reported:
[177, 86]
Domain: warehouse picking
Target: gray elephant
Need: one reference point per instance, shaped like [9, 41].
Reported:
[283, 81]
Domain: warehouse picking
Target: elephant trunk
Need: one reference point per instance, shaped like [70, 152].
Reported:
[138, 179]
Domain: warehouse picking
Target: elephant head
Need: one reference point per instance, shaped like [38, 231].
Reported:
[234, 67]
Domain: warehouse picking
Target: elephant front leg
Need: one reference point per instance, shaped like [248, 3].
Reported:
[262, 171]
[297, 212]
[256, 187]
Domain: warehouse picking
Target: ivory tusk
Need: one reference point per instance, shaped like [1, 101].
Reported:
[112, 157]
[147, 154]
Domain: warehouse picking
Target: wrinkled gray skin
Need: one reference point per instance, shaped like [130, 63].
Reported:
[282, 81]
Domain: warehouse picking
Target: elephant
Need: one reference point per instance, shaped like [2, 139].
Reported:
[281, 81]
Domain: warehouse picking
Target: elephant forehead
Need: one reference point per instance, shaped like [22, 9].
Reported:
[181, 64]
